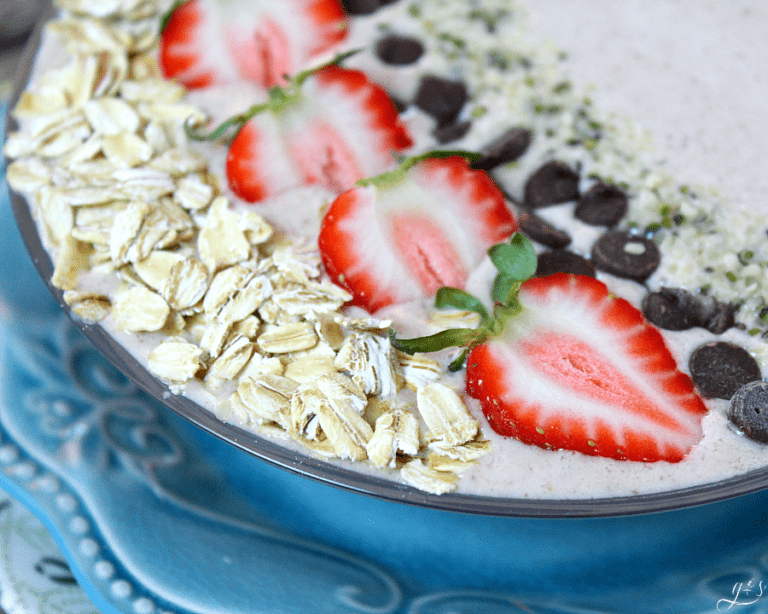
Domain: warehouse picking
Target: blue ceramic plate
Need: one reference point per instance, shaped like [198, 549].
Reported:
[154, 514]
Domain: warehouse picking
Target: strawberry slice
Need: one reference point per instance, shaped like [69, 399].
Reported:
[404, 235]
[218, 41]
[336, 128]
[580, 369]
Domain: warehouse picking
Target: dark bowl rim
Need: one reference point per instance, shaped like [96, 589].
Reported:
[323, 471]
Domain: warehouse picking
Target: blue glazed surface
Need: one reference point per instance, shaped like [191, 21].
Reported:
[155, 515]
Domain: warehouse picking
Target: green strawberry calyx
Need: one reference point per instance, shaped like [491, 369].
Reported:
[515, 262]
[406, 163]
[279, 97]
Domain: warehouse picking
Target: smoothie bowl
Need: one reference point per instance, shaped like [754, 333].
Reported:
[402, 251]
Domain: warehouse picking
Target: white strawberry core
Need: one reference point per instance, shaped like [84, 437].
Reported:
[262, 55]
[346, 113]
[266, 40]
[324, 157]
[427, 252]
[583, 373]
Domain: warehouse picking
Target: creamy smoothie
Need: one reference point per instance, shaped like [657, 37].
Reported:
[672, 95]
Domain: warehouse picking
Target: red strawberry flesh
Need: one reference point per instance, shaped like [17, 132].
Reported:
[258, 164]
[340, 129]
[374, 106]
[582, 370]
[400, 243]
[346, 260]
[328, 17]
[222, 41]
[428, 252]
[178, 58]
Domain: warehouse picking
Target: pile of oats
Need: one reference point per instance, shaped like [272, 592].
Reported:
[103, 159]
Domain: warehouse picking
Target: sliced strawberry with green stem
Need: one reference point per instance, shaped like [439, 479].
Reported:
[404, 234]
[278, 98]
[564, 364]
[515, 262]
[205, 42]
[329, 126]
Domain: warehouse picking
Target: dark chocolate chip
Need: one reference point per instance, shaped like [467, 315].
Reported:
[678, 309]
[451, 132]
[441, 98]
[540, 231]
[360, 7]
[671, 309]
[507, 148]
[715, 316]
[625, 255]
[602, 205]
[748, 410]
[399, 50]
[720, 368]
[563, 261]
[552, 183]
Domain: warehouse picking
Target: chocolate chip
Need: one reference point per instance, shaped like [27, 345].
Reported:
[720, 368]
[451, 132]
[563, 261]
[399, 50]
[748, 410]
[715, 316]
[625, 255]
[602, 205]
[552, 183]
[441, 98]
[540, 231]
[506, 148]
[360, 7]
[678, 309]
[671, 309]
